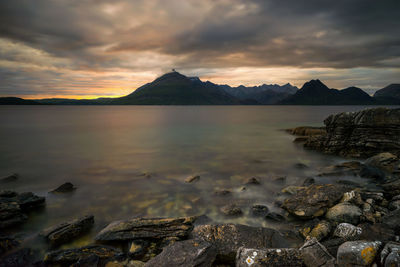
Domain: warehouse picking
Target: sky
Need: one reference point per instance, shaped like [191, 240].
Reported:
[98, 48]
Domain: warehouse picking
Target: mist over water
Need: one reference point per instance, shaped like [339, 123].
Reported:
[129, 161]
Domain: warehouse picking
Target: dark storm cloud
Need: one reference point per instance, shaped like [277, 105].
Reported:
[142, 35]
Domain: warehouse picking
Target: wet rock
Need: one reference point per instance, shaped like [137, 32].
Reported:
[280, 179]
[332, 244]
[228, 238]
[377, 231]
[300, 166]
[7, 194]
[314, 253]
[231, 210]
[390, 255]
[392, 220]
[28, 201]
[360, 134]
[351, 168]
[67, 231]
[11, 214]
[274, 216]
[7, 244]
[146, 228]
[309, 181]
[292, 189]
[259, 210]
[372, 172]
[320, 231]
[305, 230]
[192, 179]
[185, 253]
[394, 205]
[313, 201]
[348, 183]
[301, 139]
[392, 188]
[222, 192]
[64, 188]
[268, 257]
[344, 212]
[359, 253]
[383, 161]
[125, 263]
[307, 131]
[252, 180]
[352, 197]
[347, 231]
[20, 258]
[89, 253]
[10, 178]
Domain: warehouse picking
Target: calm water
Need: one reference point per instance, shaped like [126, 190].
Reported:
[106, 150]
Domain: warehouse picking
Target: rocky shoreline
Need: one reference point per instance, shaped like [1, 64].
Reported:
[336, 224]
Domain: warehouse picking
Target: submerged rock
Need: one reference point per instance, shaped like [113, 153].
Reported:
[228, 238]
[344, 213]
[86, 254]
[231, 210]
[64, 188]
[307, 131]
[222, 192]
[259, 210]
[358, 253]
[360, 134]
[10, 178]
[66, 232]
[313, 201]
[314, 253]
[384, 161]
[146, 228]
[11, 214]
[352, 168]
[252, 180]
[273, 257]
[192, 179]
[185, 253]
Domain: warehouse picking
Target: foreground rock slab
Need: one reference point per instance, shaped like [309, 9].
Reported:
[93, 253]
[147, 228]
[315, 254]
[66, 232]
[313, 201]
[269, 257]
[228, 238]
[185, 253]
[360, 134]
[358, 253]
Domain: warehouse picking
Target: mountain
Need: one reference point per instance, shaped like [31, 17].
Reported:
[16, 101]
[176, 89]
[390, 94]
[315, 92]
[264, 94]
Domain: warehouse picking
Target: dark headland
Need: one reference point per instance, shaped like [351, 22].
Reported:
[342, 223]
[176, 89]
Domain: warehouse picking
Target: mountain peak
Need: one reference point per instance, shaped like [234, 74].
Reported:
[314, 85]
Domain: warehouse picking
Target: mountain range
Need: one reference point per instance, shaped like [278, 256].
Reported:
[176, 89]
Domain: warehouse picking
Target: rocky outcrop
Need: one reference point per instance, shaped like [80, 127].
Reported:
[313, 201]
[360, 134]
[13, 207]
[65, 232]
[228, 238]
[147, 228]
[185, 253]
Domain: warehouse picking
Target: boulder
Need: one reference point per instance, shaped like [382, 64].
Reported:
[344, 212]
[185, 253]
[28, 201]
[320, 231]
[348, 231]
[383, 161]
[228, 238]
[390, 255]
[313, 201]
[65, 232]
[231, 210]
[92, 253]
[146, 228]
[314, 253]
[271, 257]
[192, 179]
[64, 188]
[360, 134]
[358, 253]
[10, 178]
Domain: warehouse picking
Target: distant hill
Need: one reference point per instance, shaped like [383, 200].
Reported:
[315, 92]
[390, 94]
[16, 101]
[176, 89]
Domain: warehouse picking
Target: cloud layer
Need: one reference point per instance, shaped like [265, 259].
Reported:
[96, 47]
